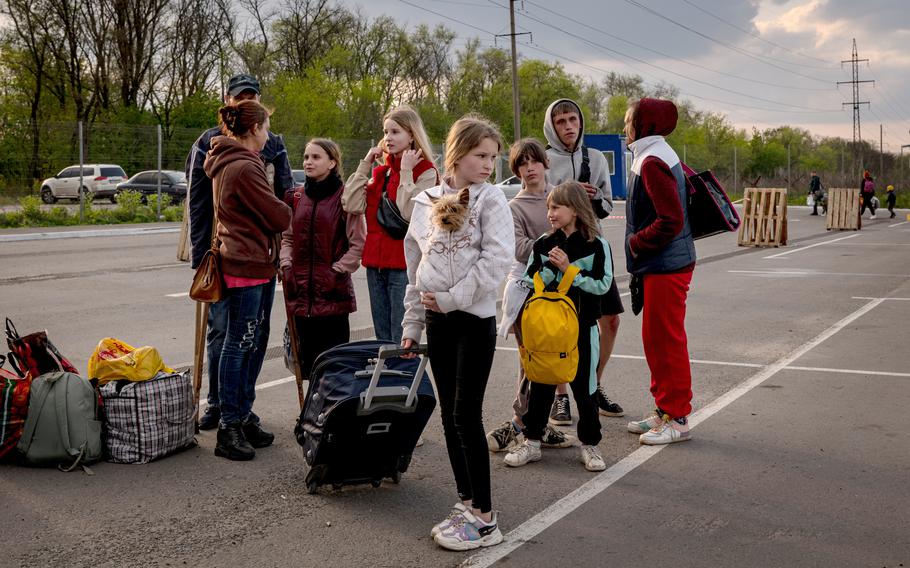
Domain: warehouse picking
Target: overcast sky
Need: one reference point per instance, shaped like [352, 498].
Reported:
[764, 63]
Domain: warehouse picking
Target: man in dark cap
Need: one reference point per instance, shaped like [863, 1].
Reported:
[278, 168]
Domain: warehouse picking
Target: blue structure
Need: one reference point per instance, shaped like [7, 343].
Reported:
[613, 147]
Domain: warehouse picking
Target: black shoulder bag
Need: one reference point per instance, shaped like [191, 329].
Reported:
[388, 215]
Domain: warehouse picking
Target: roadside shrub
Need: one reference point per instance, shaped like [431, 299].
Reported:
[153, 202]
[128, 203]
[173, 213]
[31, 209]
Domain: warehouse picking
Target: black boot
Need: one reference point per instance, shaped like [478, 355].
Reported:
[256, 436]
[209, 419]
[232, 445]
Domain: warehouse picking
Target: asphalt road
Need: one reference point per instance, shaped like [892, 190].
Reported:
[799, 456]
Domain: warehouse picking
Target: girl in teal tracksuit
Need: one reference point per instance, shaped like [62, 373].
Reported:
[575, 239]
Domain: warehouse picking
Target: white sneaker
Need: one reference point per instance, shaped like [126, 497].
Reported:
[590, 456]
[468, 532]
[520, 454]
[873, 216]
[641, 426]
[668, 431]
[456, 511]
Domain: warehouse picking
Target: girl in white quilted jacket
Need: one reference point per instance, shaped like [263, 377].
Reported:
[459, 247]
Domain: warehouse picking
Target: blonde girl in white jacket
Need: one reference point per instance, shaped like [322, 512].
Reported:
[459, 247]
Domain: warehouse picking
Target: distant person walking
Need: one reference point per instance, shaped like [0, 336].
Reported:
[891, 199]
[867, 192]
[818, 194]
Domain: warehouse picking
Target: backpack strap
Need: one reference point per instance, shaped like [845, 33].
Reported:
[29, 432]
[584, 173]
[567, 279]
[63, 424]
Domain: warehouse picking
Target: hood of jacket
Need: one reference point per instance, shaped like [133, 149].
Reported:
[224, 152]
[549, 131]
[655, 117]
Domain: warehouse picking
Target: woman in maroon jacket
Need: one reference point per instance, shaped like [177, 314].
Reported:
[249, 221]
[319, 251]
[407, 170]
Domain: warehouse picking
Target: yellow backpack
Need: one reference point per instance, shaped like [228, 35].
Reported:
[549, 331]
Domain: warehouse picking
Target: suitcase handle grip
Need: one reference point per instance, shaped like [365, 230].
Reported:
[388, 352]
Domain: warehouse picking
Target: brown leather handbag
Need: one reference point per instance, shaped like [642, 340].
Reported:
[208, 282]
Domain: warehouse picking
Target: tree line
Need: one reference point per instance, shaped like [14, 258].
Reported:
[122, 67]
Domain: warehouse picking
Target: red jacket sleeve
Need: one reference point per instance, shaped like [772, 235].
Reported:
[660, 185]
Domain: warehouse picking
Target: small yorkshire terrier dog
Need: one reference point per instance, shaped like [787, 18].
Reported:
[451, 210]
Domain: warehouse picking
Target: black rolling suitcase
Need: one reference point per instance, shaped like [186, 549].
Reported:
[363, 414]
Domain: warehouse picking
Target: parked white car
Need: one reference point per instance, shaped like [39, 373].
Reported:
[510, 187]
[98, 180]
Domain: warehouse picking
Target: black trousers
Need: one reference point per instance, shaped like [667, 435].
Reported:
[541, 396]
[316, 334]
[461, 348]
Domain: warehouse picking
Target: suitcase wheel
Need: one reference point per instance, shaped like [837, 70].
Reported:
[396, 477]
[376, 482]
[312, 488]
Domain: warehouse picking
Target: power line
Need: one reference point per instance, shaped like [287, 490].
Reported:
[537, 48]
[686, 93]
[758, 37]
[666, 70]
[662, 54]
[759, 58]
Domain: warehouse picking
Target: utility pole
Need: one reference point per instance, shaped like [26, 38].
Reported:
[881, 150]
[857, 134]
[516, 105]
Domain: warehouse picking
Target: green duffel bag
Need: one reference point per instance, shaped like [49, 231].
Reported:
[62, 426]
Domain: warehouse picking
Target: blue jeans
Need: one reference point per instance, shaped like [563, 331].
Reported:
[387, 287]
[248, 310]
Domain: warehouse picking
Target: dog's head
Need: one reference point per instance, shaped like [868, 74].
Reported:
[450, 210]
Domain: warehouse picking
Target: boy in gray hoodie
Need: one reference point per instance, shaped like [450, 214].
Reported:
[570, 159]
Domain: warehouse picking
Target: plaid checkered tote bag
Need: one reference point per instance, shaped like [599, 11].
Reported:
[147, 420]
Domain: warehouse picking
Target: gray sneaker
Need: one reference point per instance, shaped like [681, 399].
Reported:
[561, 412]
[553, 438]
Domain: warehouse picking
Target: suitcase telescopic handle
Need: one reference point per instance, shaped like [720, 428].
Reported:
[387, 352]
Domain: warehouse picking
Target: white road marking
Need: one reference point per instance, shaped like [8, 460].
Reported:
[785, 253]
[868, 298]
[261, 386]
[815, 273]
[848, 371]
[86, 234]
[185, 294]
[563, 507]
[898, 224]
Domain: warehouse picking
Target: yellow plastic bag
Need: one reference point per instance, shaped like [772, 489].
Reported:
[113, 360]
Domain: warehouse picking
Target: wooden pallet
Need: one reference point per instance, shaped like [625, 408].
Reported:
[764, 222]
[844, 209]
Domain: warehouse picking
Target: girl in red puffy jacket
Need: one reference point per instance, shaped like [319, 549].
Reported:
[406, 170]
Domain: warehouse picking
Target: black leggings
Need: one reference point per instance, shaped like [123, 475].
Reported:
[316, 334]
[461, 348]
[541, 398]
